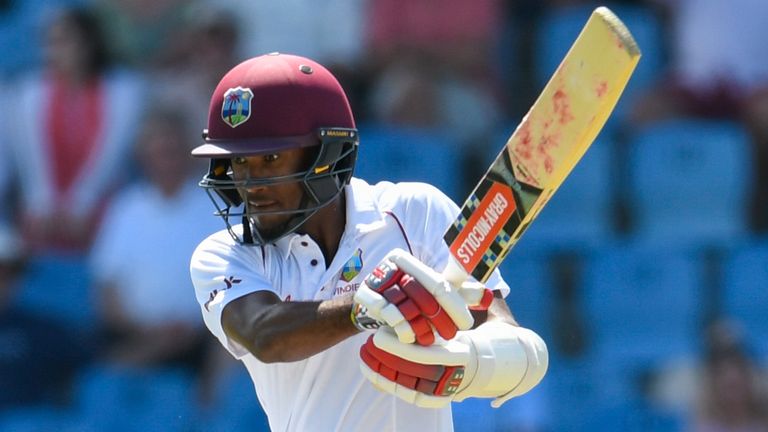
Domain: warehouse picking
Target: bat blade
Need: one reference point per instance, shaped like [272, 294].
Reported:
[555, 133]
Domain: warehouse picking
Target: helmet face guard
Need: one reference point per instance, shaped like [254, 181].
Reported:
[322, 182]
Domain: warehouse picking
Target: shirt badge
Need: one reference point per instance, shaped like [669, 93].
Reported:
[353, 266]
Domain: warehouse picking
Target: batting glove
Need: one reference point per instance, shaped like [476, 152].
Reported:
[416, 301]
[495, 360]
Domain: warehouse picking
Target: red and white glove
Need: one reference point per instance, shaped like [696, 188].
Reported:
[416, 301]
[496, 360]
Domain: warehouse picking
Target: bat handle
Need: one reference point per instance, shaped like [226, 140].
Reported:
[474, 293]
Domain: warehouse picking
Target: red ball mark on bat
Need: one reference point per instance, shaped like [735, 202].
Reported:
[562, 107]
[602, 89]
[549, 164]
[547, 143]
[524, 147]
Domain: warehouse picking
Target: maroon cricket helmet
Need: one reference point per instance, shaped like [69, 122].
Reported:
[271, 103]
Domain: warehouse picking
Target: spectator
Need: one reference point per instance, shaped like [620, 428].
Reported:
[211, 47]
[72, 124]
[733, 397]
[330, 31]
[723, 391]
[712, 73]
[144, 33]
[140, 260]
[451, 45]
[432, 66]
[18, 21]
[717, 74]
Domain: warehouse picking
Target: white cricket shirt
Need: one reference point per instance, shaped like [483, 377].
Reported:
[327, 392]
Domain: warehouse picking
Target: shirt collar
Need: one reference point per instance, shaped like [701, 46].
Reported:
[363, 216]
[363, 212]
[286, 244]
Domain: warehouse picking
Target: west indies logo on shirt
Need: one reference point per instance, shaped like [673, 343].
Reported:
[353, 266]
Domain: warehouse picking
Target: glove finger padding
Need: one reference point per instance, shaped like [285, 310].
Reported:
[412, 313]
[447, 296]
[426, 385]
[401, 289]
[372, 311]
[411, 396]
[429, 307]
[438, 380]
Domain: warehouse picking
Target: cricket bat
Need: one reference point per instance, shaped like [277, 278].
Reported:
[555, 133]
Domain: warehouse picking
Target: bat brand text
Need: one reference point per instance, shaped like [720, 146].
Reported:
[482, 228]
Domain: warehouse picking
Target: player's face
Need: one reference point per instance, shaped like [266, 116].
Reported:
[277, 197]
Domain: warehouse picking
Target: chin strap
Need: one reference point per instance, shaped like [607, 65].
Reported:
[247, 235]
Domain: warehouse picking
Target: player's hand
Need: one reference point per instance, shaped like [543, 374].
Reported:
[416, 301]
[496, 360]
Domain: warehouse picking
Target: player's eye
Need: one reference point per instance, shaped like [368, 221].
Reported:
[239, 160]
[271, 157]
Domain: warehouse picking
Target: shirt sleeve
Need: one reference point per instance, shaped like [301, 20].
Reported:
[221, 272]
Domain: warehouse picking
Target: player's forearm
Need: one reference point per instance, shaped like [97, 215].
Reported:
[293, 331]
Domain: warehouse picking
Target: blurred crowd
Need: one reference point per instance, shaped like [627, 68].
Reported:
[101, 101]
